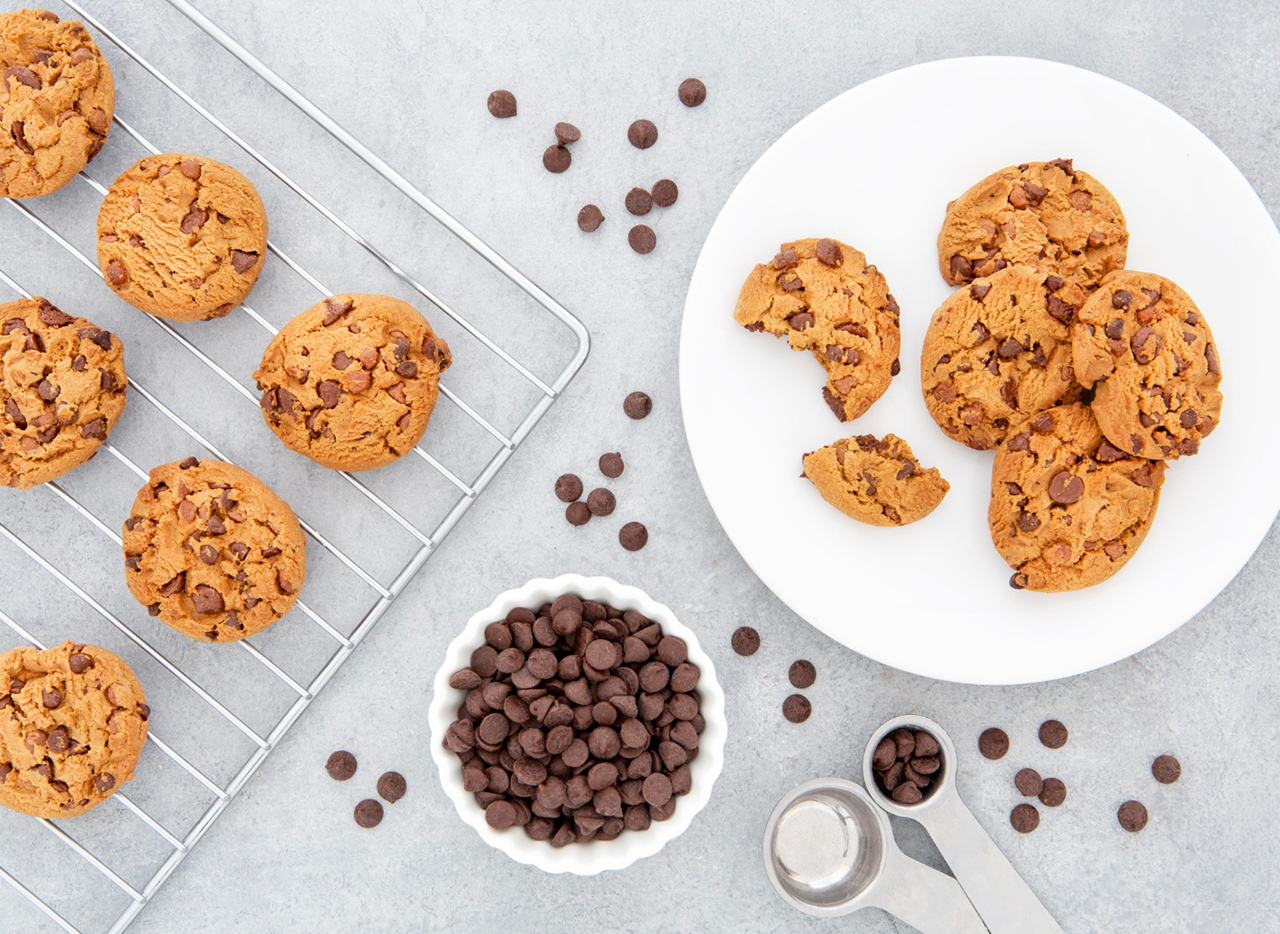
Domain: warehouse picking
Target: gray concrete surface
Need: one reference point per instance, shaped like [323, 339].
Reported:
[411, 79]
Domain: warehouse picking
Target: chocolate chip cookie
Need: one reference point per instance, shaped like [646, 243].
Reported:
[997, 352]
[352, 381]
[1146, 348]
[875, 481]
[73, 720]
[56, 102]
[1044, 214]
[182, 237]
[823, 297]
[62, 388]
[212, 551]
[1068, 508]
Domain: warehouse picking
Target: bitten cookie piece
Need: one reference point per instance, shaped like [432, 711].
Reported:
[1145, 347]
[878, 482]
[1068, 508]
[73, 720]
[824, 297]
[212, 551]
[997, 352]
[352, 381]
[182, 237]
[1044, 214]
[56, 102]
[62, 389]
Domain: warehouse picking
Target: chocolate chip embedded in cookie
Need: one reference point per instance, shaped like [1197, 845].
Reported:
[1044, 214]
[878, 482]
[1068, 508]
[182, 237]
[73, 720]
[56, 102]
[352, 381]
[62, 388]
[824, 298]
[1148, 351]
[212, 551]
[999, 351]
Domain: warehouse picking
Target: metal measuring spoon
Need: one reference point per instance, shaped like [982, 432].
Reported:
[829, 851]
[1006, 903]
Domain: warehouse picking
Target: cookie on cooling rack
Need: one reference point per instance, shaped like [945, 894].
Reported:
[182, 237]
[1045, 214]
[212, 551]
[62, 388]
[352, 381]
[73, 720]
[56, 102]
[823, 297]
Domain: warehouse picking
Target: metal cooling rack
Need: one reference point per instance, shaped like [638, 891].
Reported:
[115, 837]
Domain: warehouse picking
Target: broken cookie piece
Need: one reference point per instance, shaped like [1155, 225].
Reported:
[878, 482]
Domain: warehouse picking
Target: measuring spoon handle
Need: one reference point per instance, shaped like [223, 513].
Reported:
[930, 901]
[1002, 897]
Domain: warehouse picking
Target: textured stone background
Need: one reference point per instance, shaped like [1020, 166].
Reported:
[411, 79]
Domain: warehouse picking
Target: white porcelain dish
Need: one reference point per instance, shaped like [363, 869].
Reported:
[597, 856]
[875, 168]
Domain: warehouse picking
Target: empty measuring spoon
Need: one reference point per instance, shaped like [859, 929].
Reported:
[828, 850]
[1003, 899]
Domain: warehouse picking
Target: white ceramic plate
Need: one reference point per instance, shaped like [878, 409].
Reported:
[597, 856]
[875, 168]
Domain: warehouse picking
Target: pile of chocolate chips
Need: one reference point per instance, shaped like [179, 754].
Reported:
[905, 762]
[342, 765]
[579, 721]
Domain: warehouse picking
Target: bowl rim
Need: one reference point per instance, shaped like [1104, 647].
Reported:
[596, 856]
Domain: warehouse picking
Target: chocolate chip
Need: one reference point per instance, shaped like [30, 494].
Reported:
[745, 641]
[52, 698]
[194, 220]
[23, 75]
[797, 708]
[978, 291]
[642, 238]
[79, 663]
[829, 253]
[1132, 816]
[590, 218]
[1053, 734]
[1028, 782]
[330, 392]
[556, 159]
[1053, 792]
[502, 104]
[567, 133]
[341, 765]
[243, 261]
[692, 92]
[391, 786]
[578, 513]
[961, 269]
[1166, 769]
[802, 673]
[665, 192]
[601, 502]
[1010, 348]
[637, 405]
[1065, 489]
[642, 134]
[639, 201]
[993, 743]
[633, 536]
[611, 465]
[369, 813]
[1108, 453]
[206, 600]
[335, 308]
[568, 488]
[1024, 818]
[18, 132]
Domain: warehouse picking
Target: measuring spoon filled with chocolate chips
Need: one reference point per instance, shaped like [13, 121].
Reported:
[828, 851]
[909, 768]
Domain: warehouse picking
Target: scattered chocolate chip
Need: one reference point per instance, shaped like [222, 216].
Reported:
[1053, 734]
[1024, 818]
[802, 673]
[1166, 769]
[369, 813]
[590, 218]
[611, 465]
[556, 159]
[1132, 816]
[567, 133]
[341, 765]
[578, 513]
[601, 502]
[568, 488]
[1053, 792]
[642, 134]
[639, 202]
[993, 743]
[391, 786]
[797, 708]
[637, 405]
[665, 192]
[633, 536]
[692, 92]
[502, 104]
[642, 238]
[745, 640]
[1028, 782]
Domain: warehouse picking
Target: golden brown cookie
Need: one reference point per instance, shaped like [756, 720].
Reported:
[878, 482]
[824, 298]
[1068, 508]
[997, 352]
[56, 102]
[1147, 350]
[73, 720]
[62, 388]
[182, 237]
[212, 551]
[1044, 214]
[351, 382]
